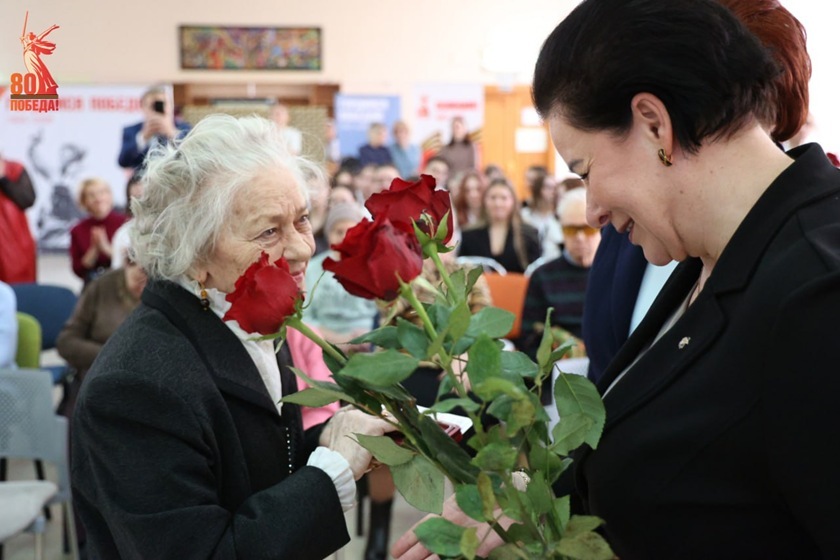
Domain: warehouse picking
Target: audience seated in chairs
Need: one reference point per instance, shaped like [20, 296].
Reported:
[101, 309]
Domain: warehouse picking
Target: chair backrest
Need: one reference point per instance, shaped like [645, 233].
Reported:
[50, 305]
[535, 265]
[508, 292]
[29, 427]
[29, 341]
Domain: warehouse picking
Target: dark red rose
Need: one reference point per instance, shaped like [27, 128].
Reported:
[404, 201]
[263, 297]
[373, 254]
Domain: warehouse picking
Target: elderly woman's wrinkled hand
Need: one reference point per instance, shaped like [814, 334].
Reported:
[338, 436]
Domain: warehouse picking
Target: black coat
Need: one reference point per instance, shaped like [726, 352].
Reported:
[178, 450]
[721, 441]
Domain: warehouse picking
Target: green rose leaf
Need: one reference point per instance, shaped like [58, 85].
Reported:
[521, 415]
[447, 405]
[562, 511]
[576, 394]
[539, 493]
[485, 361]
[313, 397]
[384, 337]
[496, 457]
[490, 388]
[470, 543]
[473, 275]
[459, 282]
[585, 546]
[412, 338]
[519, 532]
[325, 388]
[440, 536]
[491, 321]
[580, 524]
[571, 432]
[380, 369]
[421, 484]
[546, 342]
[449, 454]
[487, 495]
[563, 349]
[508, 552]
[518, 364]
[469, 500]
[459, 320]
[439, 315]
[385, 449]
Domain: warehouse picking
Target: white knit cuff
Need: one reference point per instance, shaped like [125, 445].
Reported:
[338, 469]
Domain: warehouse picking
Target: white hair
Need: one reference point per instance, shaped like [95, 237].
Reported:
[574, 196]
[190, 187]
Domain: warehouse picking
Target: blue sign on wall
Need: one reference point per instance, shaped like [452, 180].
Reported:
[355, 113]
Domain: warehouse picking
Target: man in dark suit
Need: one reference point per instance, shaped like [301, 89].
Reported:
[158, 125]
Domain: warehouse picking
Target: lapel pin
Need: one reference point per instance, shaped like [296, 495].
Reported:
[684, 342]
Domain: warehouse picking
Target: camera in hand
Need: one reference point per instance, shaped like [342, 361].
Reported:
[158, 107]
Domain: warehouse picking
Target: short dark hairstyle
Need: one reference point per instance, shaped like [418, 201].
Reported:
[711, 73]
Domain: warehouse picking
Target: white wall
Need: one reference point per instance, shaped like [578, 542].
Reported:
[370, 46]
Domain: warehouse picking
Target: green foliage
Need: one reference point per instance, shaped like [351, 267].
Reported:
[510, 432]
[420, 483]
[440, 536]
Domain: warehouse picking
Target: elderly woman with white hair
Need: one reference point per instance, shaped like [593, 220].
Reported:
[180, 446]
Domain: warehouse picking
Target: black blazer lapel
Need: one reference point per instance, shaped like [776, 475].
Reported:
[227, 360]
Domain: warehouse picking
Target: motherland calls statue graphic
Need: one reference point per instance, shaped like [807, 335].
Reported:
[34, 46]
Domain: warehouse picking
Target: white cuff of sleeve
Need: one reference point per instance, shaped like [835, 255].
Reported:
[338, 469]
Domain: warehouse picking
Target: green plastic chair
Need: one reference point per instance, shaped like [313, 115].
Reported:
[29, 342]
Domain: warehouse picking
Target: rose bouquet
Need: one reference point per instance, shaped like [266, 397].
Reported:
[511, 460]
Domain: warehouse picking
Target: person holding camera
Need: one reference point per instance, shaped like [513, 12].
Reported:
[159, 125]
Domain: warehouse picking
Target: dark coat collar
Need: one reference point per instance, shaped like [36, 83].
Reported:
[232, 368]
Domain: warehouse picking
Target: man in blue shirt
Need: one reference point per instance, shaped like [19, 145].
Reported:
[404, 154]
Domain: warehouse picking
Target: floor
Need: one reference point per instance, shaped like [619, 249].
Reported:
[55, 269]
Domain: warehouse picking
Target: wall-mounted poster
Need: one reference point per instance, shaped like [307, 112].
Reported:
[208, 47]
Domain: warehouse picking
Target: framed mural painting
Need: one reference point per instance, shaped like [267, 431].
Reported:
[210, 47]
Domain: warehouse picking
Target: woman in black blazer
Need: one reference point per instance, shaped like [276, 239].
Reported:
[181, 448]
[501, 235]
[719, 407]
[721, 413]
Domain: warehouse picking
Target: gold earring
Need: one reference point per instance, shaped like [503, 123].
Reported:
[664, 158]
[205, 301]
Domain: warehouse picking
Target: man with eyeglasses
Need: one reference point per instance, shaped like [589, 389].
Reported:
[561, 283]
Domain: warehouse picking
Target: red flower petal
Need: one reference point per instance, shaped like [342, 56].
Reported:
[263, 296]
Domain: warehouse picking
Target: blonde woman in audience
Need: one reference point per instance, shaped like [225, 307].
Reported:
[90, 239]
[502, 235]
